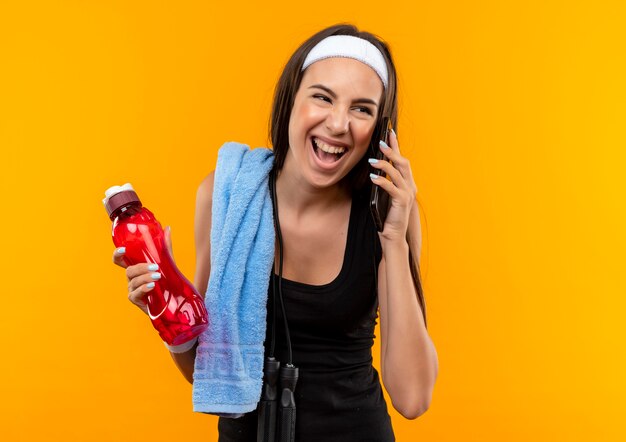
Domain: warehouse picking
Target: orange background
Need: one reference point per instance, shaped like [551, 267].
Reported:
[512, 114]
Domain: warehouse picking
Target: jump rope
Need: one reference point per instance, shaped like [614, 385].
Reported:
[277, 407]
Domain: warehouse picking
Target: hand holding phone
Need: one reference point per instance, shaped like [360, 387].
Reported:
[379, 198]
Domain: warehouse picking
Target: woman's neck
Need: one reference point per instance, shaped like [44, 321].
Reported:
[299, 197]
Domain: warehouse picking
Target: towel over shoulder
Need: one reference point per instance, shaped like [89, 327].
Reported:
[228, 370]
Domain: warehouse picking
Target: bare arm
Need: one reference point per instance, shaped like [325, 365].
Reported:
[414, 232]
[409, 362]
[202, 232]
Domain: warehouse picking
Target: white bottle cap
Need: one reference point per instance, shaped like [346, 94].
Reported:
[113, 190]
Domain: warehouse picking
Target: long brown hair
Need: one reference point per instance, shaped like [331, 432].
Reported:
[284, 97]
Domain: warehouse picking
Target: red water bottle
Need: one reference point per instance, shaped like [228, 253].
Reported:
[175, 308]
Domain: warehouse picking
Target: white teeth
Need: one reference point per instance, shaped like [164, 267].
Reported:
[328, 148]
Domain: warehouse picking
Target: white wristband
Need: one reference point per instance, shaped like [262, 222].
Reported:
[182, 348]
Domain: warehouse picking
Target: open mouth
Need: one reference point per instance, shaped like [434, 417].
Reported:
[326, 153]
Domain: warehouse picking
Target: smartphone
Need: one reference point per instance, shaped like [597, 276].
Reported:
[379, 198]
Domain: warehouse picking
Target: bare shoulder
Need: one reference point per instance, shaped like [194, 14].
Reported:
[204, 200]
[205, 189]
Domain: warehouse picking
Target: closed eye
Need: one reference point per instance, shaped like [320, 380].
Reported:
[367, 110]
[322, 97]
[361, 109]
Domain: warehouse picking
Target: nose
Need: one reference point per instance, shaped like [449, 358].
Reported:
[338, 121]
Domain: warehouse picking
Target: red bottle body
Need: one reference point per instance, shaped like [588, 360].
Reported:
[175, 308]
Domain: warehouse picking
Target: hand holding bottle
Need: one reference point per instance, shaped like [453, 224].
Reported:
[142, 277]
[155, 284]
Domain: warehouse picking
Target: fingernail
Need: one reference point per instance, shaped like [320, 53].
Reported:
[150, 285]
[383, 144]
[372, 160]
[156, 276]
[153, 267]
[393, 131]
[121, 250]
[373, 176]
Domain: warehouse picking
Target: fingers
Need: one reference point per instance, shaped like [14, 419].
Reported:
[394, 174]
[142, 273]
[392, 152]
[142, 278]
[402, 164]
[394, 192]
[118, 257]
[138, 295]
[393, 140]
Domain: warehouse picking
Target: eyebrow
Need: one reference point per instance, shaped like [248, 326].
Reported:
[334, 95]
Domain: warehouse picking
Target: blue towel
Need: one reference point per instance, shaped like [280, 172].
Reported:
[228, 371]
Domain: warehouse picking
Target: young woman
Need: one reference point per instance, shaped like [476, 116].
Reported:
[338, 271]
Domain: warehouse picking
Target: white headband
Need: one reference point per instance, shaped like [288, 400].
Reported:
[348, 46]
